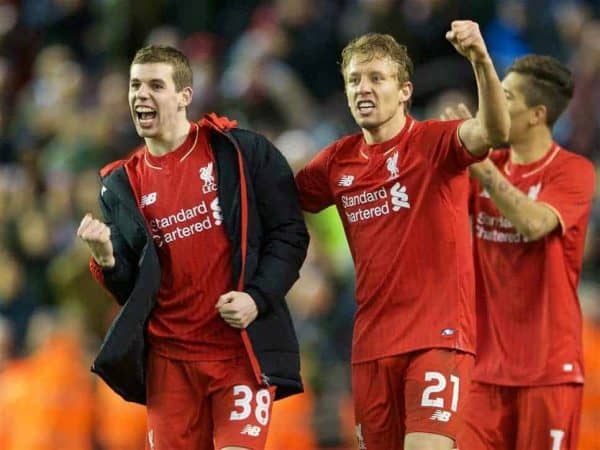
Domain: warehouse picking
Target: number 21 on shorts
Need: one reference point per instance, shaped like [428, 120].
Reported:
[440, 383]
[243, 404]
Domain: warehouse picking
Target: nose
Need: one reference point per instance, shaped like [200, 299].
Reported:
[142, 92]
[363, 86]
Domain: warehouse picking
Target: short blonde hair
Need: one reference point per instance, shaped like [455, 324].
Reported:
[373, 45]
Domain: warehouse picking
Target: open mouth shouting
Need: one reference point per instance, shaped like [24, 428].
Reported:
[365, 107]
[145, 115]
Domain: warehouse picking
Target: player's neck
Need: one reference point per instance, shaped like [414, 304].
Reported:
[168, 141]
[385, 131]
[532, 147]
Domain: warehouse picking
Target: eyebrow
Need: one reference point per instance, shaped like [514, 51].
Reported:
[152, 80]
[370, 72]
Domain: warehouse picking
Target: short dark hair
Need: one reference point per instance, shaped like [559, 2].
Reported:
[550, 83]
[182, 71]
[373, 45]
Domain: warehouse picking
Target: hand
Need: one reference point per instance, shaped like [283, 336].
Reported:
[238, 309]
[458, 112]
[466, 38]
[96, 235]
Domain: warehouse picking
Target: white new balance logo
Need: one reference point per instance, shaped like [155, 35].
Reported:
[148, 199]
[346, 180]
[442, 416]
[251, 430]
[399, 197]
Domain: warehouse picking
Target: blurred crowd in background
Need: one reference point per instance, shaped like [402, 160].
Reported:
[273, 66]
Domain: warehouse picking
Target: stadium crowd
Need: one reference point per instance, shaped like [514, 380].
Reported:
[272, 66]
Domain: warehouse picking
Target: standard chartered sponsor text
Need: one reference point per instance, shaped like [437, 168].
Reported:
[497, 229]
[163, 233]
[363, 198]
[349, 201]
[397, 195]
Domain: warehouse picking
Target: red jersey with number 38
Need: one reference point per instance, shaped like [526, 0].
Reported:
[528, 315]
[403, 204]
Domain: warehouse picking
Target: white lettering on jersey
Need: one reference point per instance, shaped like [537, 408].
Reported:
[379, 202]
[185, 222]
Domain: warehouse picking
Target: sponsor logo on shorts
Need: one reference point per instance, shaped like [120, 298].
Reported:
[251, 430]
[441, 416]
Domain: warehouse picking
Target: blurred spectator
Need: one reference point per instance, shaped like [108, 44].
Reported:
[271, 65]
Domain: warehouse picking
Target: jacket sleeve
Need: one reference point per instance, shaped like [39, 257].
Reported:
[285, 238]
[119, 279]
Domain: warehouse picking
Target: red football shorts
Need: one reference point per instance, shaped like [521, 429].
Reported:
[203, 405]
[521, 418]
[421, 391]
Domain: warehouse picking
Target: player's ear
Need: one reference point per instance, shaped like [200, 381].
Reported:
[540, 113]
[406, 90]
[185, 97]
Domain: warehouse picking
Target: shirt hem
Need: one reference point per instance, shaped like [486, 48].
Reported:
[579, 379]
[411, 350]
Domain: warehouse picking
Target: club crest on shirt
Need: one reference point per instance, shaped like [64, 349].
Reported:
[534, 191]
[206, 175]
[392, 166]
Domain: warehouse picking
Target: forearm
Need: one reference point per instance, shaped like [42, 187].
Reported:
[492, 112]
[529, 217]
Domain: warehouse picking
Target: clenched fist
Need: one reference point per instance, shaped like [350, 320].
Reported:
[96, 235]
[466, 38]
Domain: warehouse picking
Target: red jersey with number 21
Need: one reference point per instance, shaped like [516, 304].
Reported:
[403, 204]
[528, 316]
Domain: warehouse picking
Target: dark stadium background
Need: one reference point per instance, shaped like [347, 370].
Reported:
[271, 65]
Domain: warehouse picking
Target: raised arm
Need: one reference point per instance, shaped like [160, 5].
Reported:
[490, 127]
[531, 218]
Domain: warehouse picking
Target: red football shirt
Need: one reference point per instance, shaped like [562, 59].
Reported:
[177, 194]
[404, 207]
[528, 316]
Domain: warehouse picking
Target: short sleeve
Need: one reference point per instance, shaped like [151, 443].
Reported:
[313, 183]
[568, 191]
[446, 148]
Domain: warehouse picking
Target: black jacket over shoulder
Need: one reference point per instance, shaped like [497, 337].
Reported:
[276, 240]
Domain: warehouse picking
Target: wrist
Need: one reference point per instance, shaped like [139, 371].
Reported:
[482, 61]
[107, 262]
